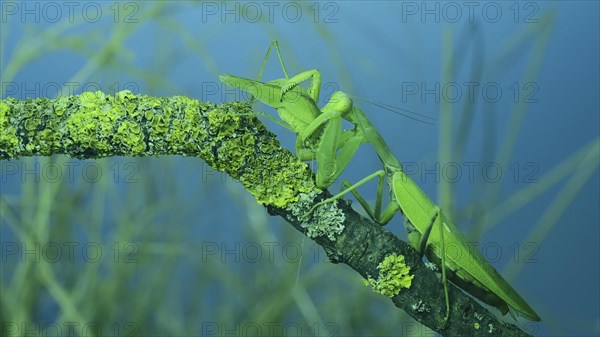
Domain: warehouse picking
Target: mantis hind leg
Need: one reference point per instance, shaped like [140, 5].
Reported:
[437, 213]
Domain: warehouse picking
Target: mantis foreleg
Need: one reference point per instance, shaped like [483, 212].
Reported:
[314, 88]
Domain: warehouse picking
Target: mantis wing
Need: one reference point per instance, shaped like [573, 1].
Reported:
[468, 268]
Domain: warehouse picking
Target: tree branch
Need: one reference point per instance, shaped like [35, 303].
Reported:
[231, 139]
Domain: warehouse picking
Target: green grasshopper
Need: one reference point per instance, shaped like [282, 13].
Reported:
[430, 232]
[318, 130]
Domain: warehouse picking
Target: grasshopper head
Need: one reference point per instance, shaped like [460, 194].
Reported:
[340, 102]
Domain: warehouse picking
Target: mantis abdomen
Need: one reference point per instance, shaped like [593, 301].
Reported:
[468, 268]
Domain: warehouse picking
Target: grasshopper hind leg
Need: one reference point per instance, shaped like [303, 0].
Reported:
[274, 44]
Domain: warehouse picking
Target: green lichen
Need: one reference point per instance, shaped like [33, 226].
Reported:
[130, 137]
[9, 143]
[327, 220]
[95, 125]
[393, 276]
[420, 306]
[274, 177]
[132, 125]
[279, 180]
[92, 127]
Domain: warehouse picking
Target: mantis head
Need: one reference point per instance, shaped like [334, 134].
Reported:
[341, 102]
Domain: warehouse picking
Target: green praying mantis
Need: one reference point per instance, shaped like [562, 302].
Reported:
[320, 137]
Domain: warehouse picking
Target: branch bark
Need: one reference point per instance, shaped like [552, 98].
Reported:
[231, 139]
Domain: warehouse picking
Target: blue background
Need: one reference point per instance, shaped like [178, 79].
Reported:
[540, 231]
